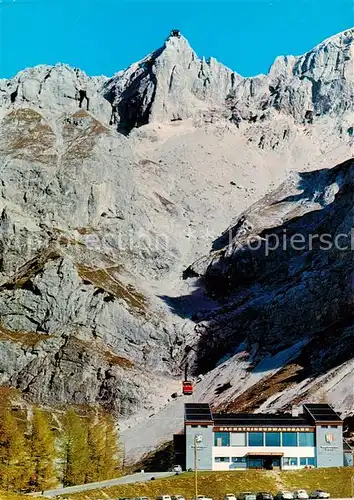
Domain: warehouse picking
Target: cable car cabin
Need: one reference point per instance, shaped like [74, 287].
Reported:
[187, 388]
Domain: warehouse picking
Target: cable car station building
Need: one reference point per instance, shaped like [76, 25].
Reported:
[240, 441]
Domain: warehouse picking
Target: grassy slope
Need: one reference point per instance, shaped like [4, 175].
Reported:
[216, 484]
[336, 481]
[11, 496]
[210, 483]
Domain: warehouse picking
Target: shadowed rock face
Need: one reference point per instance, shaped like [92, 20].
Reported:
[283, 270]
[97, 222]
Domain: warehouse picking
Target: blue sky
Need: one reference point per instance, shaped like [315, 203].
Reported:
[104, 36]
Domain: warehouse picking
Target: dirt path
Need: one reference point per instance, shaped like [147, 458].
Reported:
[277, 478]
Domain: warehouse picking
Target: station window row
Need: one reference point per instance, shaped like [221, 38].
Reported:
[294, 461]
[287, 461]
[235, 460]
[264, 439]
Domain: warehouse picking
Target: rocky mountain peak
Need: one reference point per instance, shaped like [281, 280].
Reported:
[52, 90]
[173, 84]
[170, 84]
[178, 44]
[329, 59]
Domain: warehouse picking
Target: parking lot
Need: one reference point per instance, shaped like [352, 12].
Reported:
[299, 494]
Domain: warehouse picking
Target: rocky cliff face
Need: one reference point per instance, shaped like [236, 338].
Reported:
[174, 84]
[64, 224]
[283, 269]
[102, 209]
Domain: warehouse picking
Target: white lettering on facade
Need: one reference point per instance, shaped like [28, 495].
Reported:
[262, 429]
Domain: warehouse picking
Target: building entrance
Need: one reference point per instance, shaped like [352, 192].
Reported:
[268, 462]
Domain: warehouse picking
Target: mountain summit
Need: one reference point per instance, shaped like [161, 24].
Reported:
[172, 84]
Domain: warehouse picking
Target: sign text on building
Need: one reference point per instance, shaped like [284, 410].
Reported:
[262, 429]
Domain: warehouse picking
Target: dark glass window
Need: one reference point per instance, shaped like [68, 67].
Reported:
[307, 461]
[272, 438]
[241, 460]
[221, 439]
[255, 463]
[290, 461]
[222, 459]
[306, 439]
[289, 438]
[255, 439]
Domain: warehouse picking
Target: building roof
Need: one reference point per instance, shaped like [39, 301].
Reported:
[197, 412]
[261, 419]
[313, 414]
[322, 413]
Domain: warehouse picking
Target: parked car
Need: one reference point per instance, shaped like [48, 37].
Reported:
[164, 497]
[177, 497]
[247, 496]
[229, 496]
[177, 468]
[284, 495]
[319, 494]
[141, 498]
[202, 497]
[264, 495]
[301, 494]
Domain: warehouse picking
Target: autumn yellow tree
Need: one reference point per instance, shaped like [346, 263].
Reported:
[15, 461]
[96, 447]
[43, 453]
[75, 451]
[103, 447]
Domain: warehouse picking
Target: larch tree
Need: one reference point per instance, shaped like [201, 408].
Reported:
[74, 449]
[15, 462]
[103, 447]
[3, 447]
[96, 447]
[43, 453]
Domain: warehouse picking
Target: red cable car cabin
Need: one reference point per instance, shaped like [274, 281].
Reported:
[187, 388]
